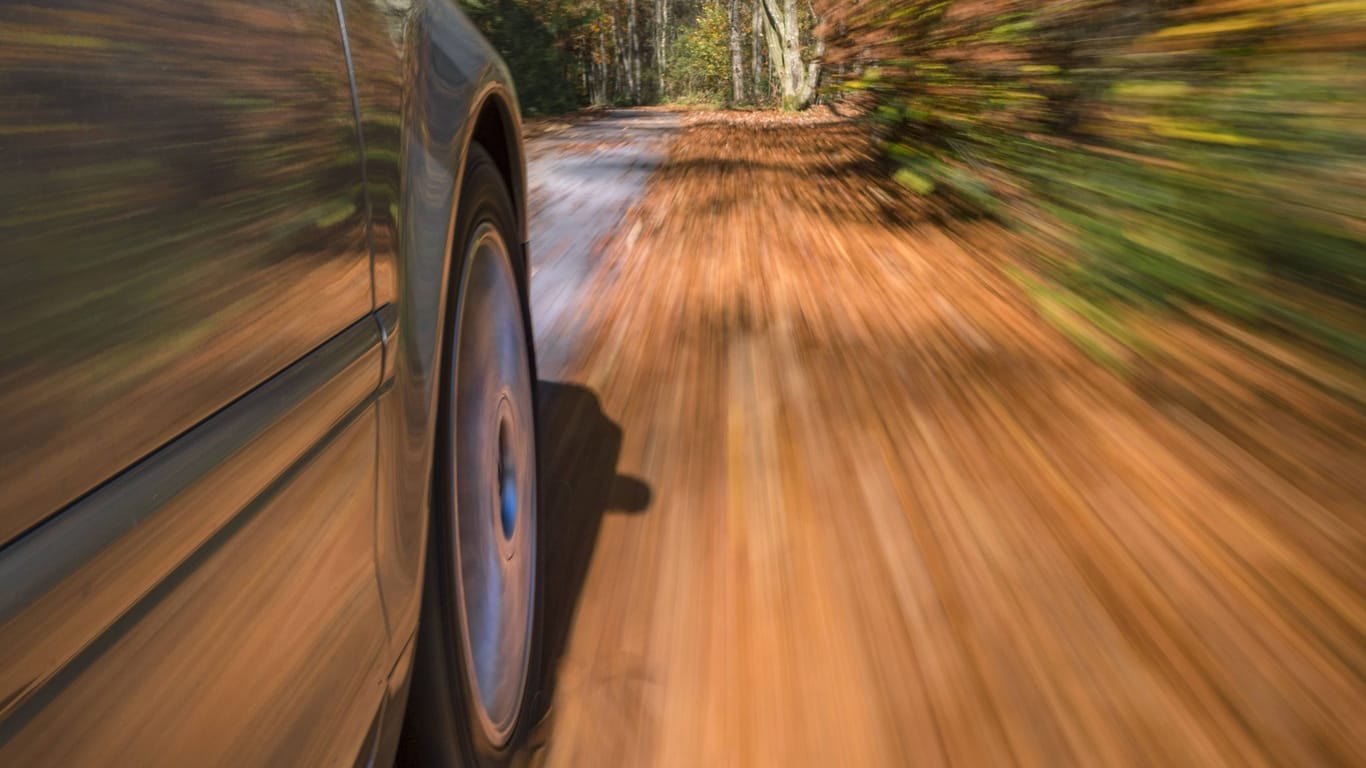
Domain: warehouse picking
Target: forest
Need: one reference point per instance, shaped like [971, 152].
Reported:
[1169, 156]
[572, 53]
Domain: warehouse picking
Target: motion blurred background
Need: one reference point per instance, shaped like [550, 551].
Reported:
[959, 382]
[995, 368]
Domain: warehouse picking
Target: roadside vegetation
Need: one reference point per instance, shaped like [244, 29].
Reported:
[1164, 156]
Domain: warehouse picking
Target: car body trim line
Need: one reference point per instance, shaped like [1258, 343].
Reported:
[23, 708]
[83, 546]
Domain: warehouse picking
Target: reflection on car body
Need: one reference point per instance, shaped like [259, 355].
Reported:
[231, 249]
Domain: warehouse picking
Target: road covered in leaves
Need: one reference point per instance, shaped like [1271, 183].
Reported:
[825, 486]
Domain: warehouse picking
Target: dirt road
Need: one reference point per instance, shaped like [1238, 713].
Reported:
[582, 181]
[824, 489]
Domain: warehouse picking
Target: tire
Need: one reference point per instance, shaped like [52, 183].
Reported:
[479, 634]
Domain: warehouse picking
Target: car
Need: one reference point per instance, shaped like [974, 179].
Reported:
[267, 423]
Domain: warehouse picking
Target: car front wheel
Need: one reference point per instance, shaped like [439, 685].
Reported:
[477, 638]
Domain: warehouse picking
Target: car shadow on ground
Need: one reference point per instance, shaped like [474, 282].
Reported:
[579, 484]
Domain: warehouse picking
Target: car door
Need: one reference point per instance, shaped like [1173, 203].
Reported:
[188, 363]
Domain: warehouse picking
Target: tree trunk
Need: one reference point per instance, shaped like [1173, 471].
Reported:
[737, 56]
[756, 53]
[773, 39]
[620, 79]
[796, 93]
[813, 67]
[661, 43]
[632, 52]
[796, 77]
[604, 68]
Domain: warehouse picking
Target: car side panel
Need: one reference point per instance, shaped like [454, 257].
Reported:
[189, 369]
[267, 646]
[180, 218]
[70, 580]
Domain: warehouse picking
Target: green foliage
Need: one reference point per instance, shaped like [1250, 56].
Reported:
[530, 35]
[699, 66]
[1164, 153]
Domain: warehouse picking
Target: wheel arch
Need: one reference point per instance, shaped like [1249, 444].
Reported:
[497, 127]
